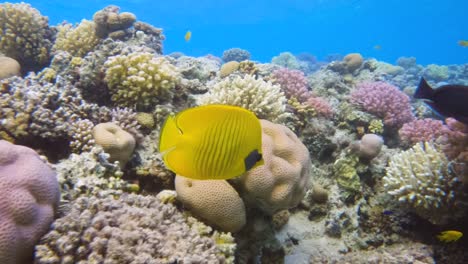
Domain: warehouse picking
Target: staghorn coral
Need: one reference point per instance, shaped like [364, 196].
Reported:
[420, 178]
[77, 40]
[29, 195]
[131, 229]
[24, 35]
[139, 79]
[263, 98]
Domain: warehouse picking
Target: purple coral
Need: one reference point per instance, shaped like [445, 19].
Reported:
[321, 107]
[29, 195]
[384, 101]
[293, 83]
[426, 129]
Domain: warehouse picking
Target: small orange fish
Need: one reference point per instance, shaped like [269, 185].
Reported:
[449, 236]
[188, 35]
[377, 47]
[463, 43]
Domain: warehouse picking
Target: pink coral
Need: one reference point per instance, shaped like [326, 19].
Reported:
[426, 129]
[293, 83]
[29, 195]
[384, 101]
[321, 107]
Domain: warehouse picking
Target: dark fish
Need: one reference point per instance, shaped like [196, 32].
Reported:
[387, 212]
[447, 100]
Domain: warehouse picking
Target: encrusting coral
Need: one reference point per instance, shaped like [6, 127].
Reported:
[140, 79]
[24, 35]
[130, 229]
[263, 98]
[29, 195]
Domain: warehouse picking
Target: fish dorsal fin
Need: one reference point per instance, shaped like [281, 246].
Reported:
[424, 90]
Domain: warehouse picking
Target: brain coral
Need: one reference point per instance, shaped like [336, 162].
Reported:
[216, 201]
[140, 79]
[266, 100]
[24, 35]
[29, 195]
[130, 229]
[282, 181]
[420, 178]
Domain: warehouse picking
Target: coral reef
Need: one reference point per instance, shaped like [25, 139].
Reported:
[215, 201]
[25, 35]
[420, 178]
[235, 54]
[9, 67]
[115, 141]
[384, 101]
[282, 181]
[109, 22]
[131, 229]
[77, 40]
[263, 98]
[421, 130]
[140, 79]
[30, 194]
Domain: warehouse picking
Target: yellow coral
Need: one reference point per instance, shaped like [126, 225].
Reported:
[23, 32]
[248, 67]
[145, 120]
[77, 41]
[376, 126]
[140, 79]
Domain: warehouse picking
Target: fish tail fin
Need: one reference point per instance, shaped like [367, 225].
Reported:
[424, 90]
[170, 135]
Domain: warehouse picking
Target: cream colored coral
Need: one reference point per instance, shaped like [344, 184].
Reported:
[420, 178]
[76, 40]
[282, 181]
[23, 33]
[9, 67]
[266, 100]
[140, 79]
[115, 141]
[215, 201]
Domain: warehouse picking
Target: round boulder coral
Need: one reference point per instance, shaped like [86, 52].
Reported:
[9, 67]
[29, 194]
[216, 201]
[282, 181]
[115, 141]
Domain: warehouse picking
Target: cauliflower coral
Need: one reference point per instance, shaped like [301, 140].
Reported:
[140, 79]
[266, 100]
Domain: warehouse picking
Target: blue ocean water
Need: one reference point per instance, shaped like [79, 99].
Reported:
[426, 29]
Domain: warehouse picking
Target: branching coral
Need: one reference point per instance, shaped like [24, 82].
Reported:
[140, 79]
[77, 41]
[131, 229]
[24, 34]
[263, 98]
[420, 178]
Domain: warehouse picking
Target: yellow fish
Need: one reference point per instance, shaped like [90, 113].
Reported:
[463, 43]
[188, 35]
[450, 236]
[212, 142]
[377, 47]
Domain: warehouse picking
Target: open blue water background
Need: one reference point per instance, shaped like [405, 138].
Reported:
[426, 29]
